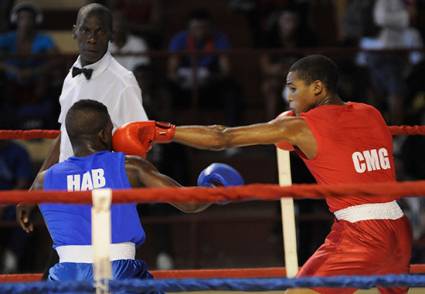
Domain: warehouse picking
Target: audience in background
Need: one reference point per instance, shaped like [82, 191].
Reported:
[357, 21]
[22, 75]
[388, 70]
[15, 174]
[125, 42]
[144, 17]
[260, 14]
[204, 70]
[286, 32]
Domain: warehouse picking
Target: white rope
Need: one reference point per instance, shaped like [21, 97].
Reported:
[101, 238]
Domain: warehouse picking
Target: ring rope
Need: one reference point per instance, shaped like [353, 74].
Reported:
[407, 130]
[262, 272]
[51, 134]
[223, 194]
[185, 285]
[28, 134]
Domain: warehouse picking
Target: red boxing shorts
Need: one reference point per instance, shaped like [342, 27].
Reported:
[367, 247]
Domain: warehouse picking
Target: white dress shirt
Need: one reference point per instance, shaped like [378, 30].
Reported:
[111, 84]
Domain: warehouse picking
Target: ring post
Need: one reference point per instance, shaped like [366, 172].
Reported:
[101, 239]
[288, 215]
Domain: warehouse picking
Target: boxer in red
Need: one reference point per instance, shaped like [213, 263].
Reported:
[340, 142]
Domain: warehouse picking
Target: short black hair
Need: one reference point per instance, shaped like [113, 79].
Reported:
[85, 119]
[95, 9]
[317, 67]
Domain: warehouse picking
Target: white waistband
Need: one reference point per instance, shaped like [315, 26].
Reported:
[386, 210]
[84, 253]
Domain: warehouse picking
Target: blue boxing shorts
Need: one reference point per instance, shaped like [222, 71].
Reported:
[75, 264]
[121, 269]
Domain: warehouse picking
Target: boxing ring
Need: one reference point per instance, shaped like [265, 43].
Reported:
[248, 279]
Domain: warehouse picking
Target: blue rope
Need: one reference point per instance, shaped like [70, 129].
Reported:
[184, 285]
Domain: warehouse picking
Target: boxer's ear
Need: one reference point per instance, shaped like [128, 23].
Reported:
[317, 87]
[105, 137]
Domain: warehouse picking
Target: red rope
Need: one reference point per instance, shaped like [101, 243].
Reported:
[265, 272]
[28, 135]
[50, 134]
[407, 130]
[241, 193]
[269, 272]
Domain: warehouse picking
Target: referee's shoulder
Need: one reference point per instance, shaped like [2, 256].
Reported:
[121, 73]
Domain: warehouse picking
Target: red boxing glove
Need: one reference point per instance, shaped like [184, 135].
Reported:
[164, 132]
[283, 144]
[135, 138]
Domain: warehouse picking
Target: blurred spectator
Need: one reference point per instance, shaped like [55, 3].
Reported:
[156, 94]
[286, 33]
[41, 111]
[24, 74]
[125, 42]
[15, 173]
[260, 14]
[209, 72]
[357, 21]
[144, 18]
[388, 70]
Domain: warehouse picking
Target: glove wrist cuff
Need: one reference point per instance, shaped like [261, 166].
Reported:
[164, 132]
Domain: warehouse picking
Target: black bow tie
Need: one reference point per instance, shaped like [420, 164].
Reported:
[87, 72]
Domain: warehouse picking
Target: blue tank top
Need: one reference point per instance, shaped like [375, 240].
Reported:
[70, 224]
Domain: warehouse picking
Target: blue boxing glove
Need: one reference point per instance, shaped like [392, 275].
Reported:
[219, 174]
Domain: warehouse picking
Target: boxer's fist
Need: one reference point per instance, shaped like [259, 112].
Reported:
[136, 138]
[219, 174]
[283, 144]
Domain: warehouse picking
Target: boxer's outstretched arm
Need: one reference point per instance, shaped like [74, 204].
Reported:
[219, 137]
[141, 173]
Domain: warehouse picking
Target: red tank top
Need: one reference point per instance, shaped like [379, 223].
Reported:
[354, 145]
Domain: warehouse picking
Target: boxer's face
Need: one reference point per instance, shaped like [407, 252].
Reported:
[93, 35]
[301, 96]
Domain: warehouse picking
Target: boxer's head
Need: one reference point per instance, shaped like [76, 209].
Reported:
[311, 80]
[89, 124]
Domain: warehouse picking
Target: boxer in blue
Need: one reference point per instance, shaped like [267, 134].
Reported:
[94, 166]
